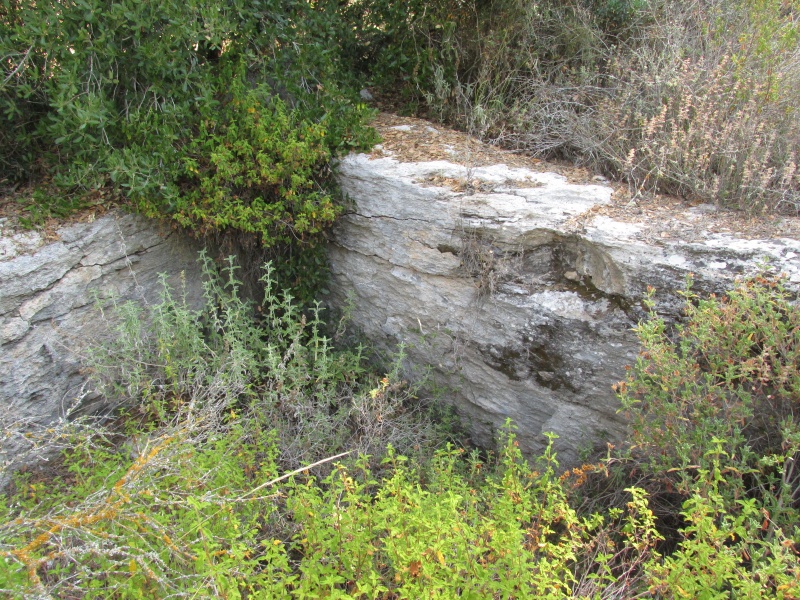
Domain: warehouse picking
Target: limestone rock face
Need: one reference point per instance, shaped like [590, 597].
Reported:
[49, 295]
[521, 309]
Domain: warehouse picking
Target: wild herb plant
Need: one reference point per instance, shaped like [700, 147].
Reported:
[189, 494]
[696, 99]
[724, 384]
[271, 361]
[185, 518]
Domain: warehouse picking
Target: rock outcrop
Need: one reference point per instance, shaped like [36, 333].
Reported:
[50, 290]
[515, 287]
[513, 290]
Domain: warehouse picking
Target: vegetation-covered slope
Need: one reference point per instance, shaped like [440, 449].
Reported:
[694, 98]
[224, 116]
[251, 459]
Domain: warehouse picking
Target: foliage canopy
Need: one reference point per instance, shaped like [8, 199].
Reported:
[221, 115]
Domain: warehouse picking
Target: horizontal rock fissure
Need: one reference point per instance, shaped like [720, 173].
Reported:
[354, 214]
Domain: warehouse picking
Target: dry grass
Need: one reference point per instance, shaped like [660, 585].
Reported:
[697, 99]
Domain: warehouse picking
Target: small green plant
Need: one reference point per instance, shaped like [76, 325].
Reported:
[272, 361]
[252, 459]
[45, 203]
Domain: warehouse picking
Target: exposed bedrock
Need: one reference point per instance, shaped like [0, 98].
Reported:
[51, 288]
[520, 300]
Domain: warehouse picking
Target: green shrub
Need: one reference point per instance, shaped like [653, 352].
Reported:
[719, 398]
[221, 115]
[255, 172]
[397, 44]
[193, 514]
[197, 510]
[724, 553]
[615, 15]
[194, 500]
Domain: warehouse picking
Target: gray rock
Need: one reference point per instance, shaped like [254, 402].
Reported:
[520, 312]
[49, 314]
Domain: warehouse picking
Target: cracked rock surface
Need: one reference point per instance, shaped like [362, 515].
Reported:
[49, 296]
[522, 309]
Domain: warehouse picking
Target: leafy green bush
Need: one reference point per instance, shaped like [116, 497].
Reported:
[725, 552]
[615, 15]
[222, 115]
[185, 515]
[398, 44]
[718, 398]
[255, 172]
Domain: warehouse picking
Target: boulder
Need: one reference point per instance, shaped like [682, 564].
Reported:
[515, 290]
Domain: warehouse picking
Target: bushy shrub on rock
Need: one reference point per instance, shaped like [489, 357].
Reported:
[219, 114]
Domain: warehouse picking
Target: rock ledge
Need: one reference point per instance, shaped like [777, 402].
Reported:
[514, 291]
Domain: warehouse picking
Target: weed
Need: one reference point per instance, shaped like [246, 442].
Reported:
[486, 263]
